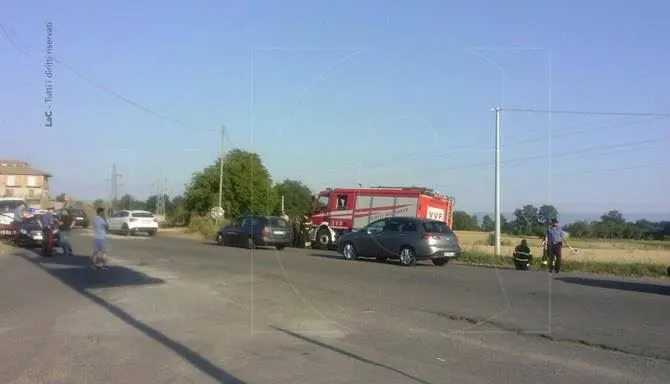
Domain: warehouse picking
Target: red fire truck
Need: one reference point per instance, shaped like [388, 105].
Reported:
[337, 210]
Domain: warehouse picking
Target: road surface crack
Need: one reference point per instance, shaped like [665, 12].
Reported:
[545, 336]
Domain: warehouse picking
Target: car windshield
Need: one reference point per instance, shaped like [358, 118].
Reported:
[277, 222]
[143, 214]
[436, 227]
[8, 206]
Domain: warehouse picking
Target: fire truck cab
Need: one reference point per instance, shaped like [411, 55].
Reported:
[339, 210]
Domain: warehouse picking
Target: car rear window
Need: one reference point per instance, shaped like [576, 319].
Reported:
[143, 214]
[276, 222]
[436, 227]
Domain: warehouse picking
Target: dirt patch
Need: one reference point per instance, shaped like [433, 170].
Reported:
[181, 233]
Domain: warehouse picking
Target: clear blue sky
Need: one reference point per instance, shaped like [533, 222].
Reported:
[344, 92]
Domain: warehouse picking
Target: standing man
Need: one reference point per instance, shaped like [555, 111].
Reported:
[555, 239]
[100, 228]
[19, 215]
[66, 223]
[47, 221]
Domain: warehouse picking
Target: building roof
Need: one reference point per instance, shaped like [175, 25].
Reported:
[16, 167]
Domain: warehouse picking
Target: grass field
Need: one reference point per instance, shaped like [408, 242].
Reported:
[589, 250]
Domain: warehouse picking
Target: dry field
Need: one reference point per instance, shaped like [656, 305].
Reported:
[620, 251]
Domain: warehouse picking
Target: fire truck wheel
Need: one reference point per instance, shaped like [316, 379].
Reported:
[323, 238]
[349, 251]
[407, 256]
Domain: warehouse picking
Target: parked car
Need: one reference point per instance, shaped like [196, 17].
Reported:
[30, 233]
[407, 239]
[256, 231]
[131, 222]
[80, 217]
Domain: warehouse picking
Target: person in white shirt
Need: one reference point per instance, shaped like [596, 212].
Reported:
[100, 228]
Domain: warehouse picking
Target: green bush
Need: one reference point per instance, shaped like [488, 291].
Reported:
[205, 226]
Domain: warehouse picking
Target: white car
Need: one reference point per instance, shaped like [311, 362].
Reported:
[131, 222]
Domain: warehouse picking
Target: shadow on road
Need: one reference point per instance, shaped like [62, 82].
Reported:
[349, 354]
[74, 272]
[334, 256]
[631, 286]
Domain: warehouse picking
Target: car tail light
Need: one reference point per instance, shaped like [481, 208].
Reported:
[431, 237]
[133, 219]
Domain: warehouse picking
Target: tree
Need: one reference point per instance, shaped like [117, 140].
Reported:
[296, 197]
[546, 213]
[129, 202]
[152, 203]
[247, 186]
[612, 225]
[61, 198]
[488, 224]
[98, 203]
[464, 222]
[525, 219]
[530, 220]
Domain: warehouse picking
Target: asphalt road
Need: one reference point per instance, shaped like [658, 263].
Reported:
[201, 313]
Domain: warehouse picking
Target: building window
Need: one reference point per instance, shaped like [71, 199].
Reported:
[11, 180]
[31, 193]
[32, 181]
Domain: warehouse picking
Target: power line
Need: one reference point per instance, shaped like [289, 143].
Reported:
[569, 112]
[106, 89]
[620, 148]
[571, 130]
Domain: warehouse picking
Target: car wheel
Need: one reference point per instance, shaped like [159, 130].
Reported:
[349, 251]
[440, 262]
[219, 239]
[280, 247]
[152, 233]
[250, 243]
[407, 256]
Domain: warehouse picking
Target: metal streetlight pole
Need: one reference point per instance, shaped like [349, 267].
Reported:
[223, 136]
[498, 110]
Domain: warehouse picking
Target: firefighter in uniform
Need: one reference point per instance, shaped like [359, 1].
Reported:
[305, 228]
[295, 231]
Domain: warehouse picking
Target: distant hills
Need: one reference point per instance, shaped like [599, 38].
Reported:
[571, 217]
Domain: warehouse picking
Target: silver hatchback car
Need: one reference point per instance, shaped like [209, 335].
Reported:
[406, 239]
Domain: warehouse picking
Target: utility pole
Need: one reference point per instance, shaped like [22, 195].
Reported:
[115, 186]
[223, 136]
[498, 252]
[160, 198]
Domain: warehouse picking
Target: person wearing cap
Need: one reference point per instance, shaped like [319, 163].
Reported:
[554, 240]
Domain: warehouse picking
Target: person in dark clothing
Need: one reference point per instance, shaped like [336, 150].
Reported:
[554, 240]
[47, 222]
[523, 256]
[66, 223]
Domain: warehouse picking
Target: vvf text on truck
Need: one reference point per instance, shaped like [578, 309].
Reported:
[339, 210]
